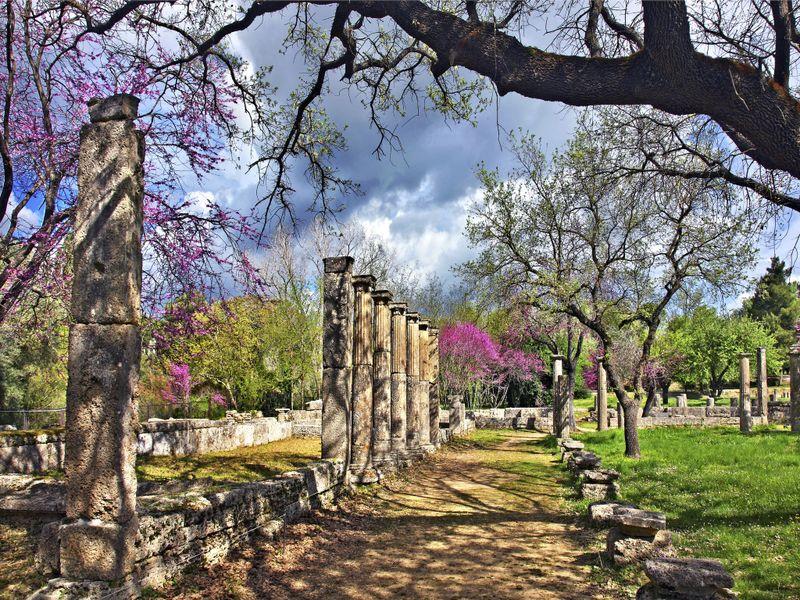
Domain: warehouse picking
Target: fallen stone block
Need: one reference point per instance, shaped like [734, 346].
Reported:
[686, 578]
[599, 476]
[624, 549]
[572, 445]
[637, 522]
[600, 512]
[600, 491]
[583, 461]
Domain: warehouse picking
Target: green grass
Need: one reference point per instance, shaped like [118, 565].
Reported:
[233, 466]
[727, 496]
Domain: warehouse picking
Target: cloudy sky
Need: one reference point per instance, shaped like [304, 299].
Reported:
[415, 201]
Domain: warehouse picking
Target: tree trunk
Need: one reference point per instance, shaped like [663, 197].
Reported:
[630, 409]
[651, 400]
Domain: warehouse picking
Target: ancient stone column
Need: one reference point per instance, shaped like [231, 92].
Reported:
[97, 540]
[794, 389]
[399, 362]
[361, 418]
[762, 391]
[560, 411]
[745, 414]
[412, 384]
[433, 377]
[382, 383]
[602, 396]
[456, 422]
[425, 426]
[337, 357]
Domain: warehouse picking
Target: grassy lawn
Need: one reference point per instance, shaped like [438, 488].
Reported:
[233, 466]
[727, 496]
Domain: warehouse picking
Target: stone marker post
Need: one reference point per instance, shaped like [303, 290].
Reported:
[602, 395]
[337, 357]
[382, 383]
[794, 389]
[426, 426]
[762, 391]
[97, 538]
[433, 379]
[361, 419]
[399, 361]
[560, 412]
[412, 384]
[745, 414]
[456, 422]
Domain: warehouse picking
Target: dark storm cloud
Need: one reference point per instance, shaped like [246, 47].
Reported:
[421, 190]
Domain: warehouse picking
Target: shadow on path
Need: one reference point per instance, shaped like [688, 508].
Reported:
[482, 522]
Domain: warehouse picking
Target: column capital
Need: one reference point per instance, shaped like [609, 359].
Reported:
[412, 316]
[398, 308]
[338, 264]
[434, 331]
[745, 354]
[382, 296]
[424, 324]
[119, 107]
[365, 282]
[558, 357]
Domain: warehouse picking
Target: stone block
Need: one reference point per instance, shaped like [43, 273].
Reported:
[336, 389]
[581, 461]
[100, 454]
[599, 476]
[687, 578]
[627, 550]
[634, 521]
[46, 559]
[572, 445]
[114, 108]
[600, 491]
[97, 550]
[600, 513]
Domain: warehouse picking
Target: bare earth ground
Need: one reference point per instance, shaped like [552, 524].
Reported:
[483, 520]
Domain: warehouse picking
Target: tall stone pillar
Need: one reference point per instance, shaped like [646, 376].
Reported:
[794, 389]
[399, 362]
[425, 425]
[361, 419]
[97, 539]
[412, 384]
[382, 384]
[337, 357]
[433, 377]
[560, 411]
[602, 395]
[762, 391]
[745, 413]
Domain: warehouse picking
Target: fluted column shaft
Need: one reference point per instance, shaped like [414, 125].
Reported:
[602, 395]
[382, 382]
[412, 383]
[745, 411]
[361, 445]
[399, 386]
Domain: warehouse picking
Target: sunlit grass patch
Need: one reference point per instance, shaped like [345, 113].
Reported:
[727, 496]
[233, 466]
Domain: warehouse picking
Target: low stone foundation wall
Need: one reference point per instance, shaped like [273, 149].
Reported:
[705, 416]
[27, 453]
[539, 418]
[177, 528]
[305, 423]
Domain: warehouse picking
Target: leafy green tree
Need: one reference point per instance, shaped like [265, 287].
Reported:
[776, 303]
[711, 343]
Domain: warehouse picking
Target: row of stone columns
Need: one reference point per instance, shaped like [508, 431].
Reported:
[380, 404]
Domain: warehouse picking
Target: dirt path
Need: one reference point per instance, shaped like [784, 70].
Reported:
[481, 521]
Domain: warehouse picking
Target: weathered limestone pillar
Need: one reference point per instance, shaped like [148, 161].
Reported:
[382, 383]
[560, 410]
[337, 357]
[794, 389]
[412, 384]
[456, 422]
[399, 361]
[745, 414]
[602, 396]
[361, 420]
[97, 538]
[762, 391]
[433, 377]
[426, 425]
